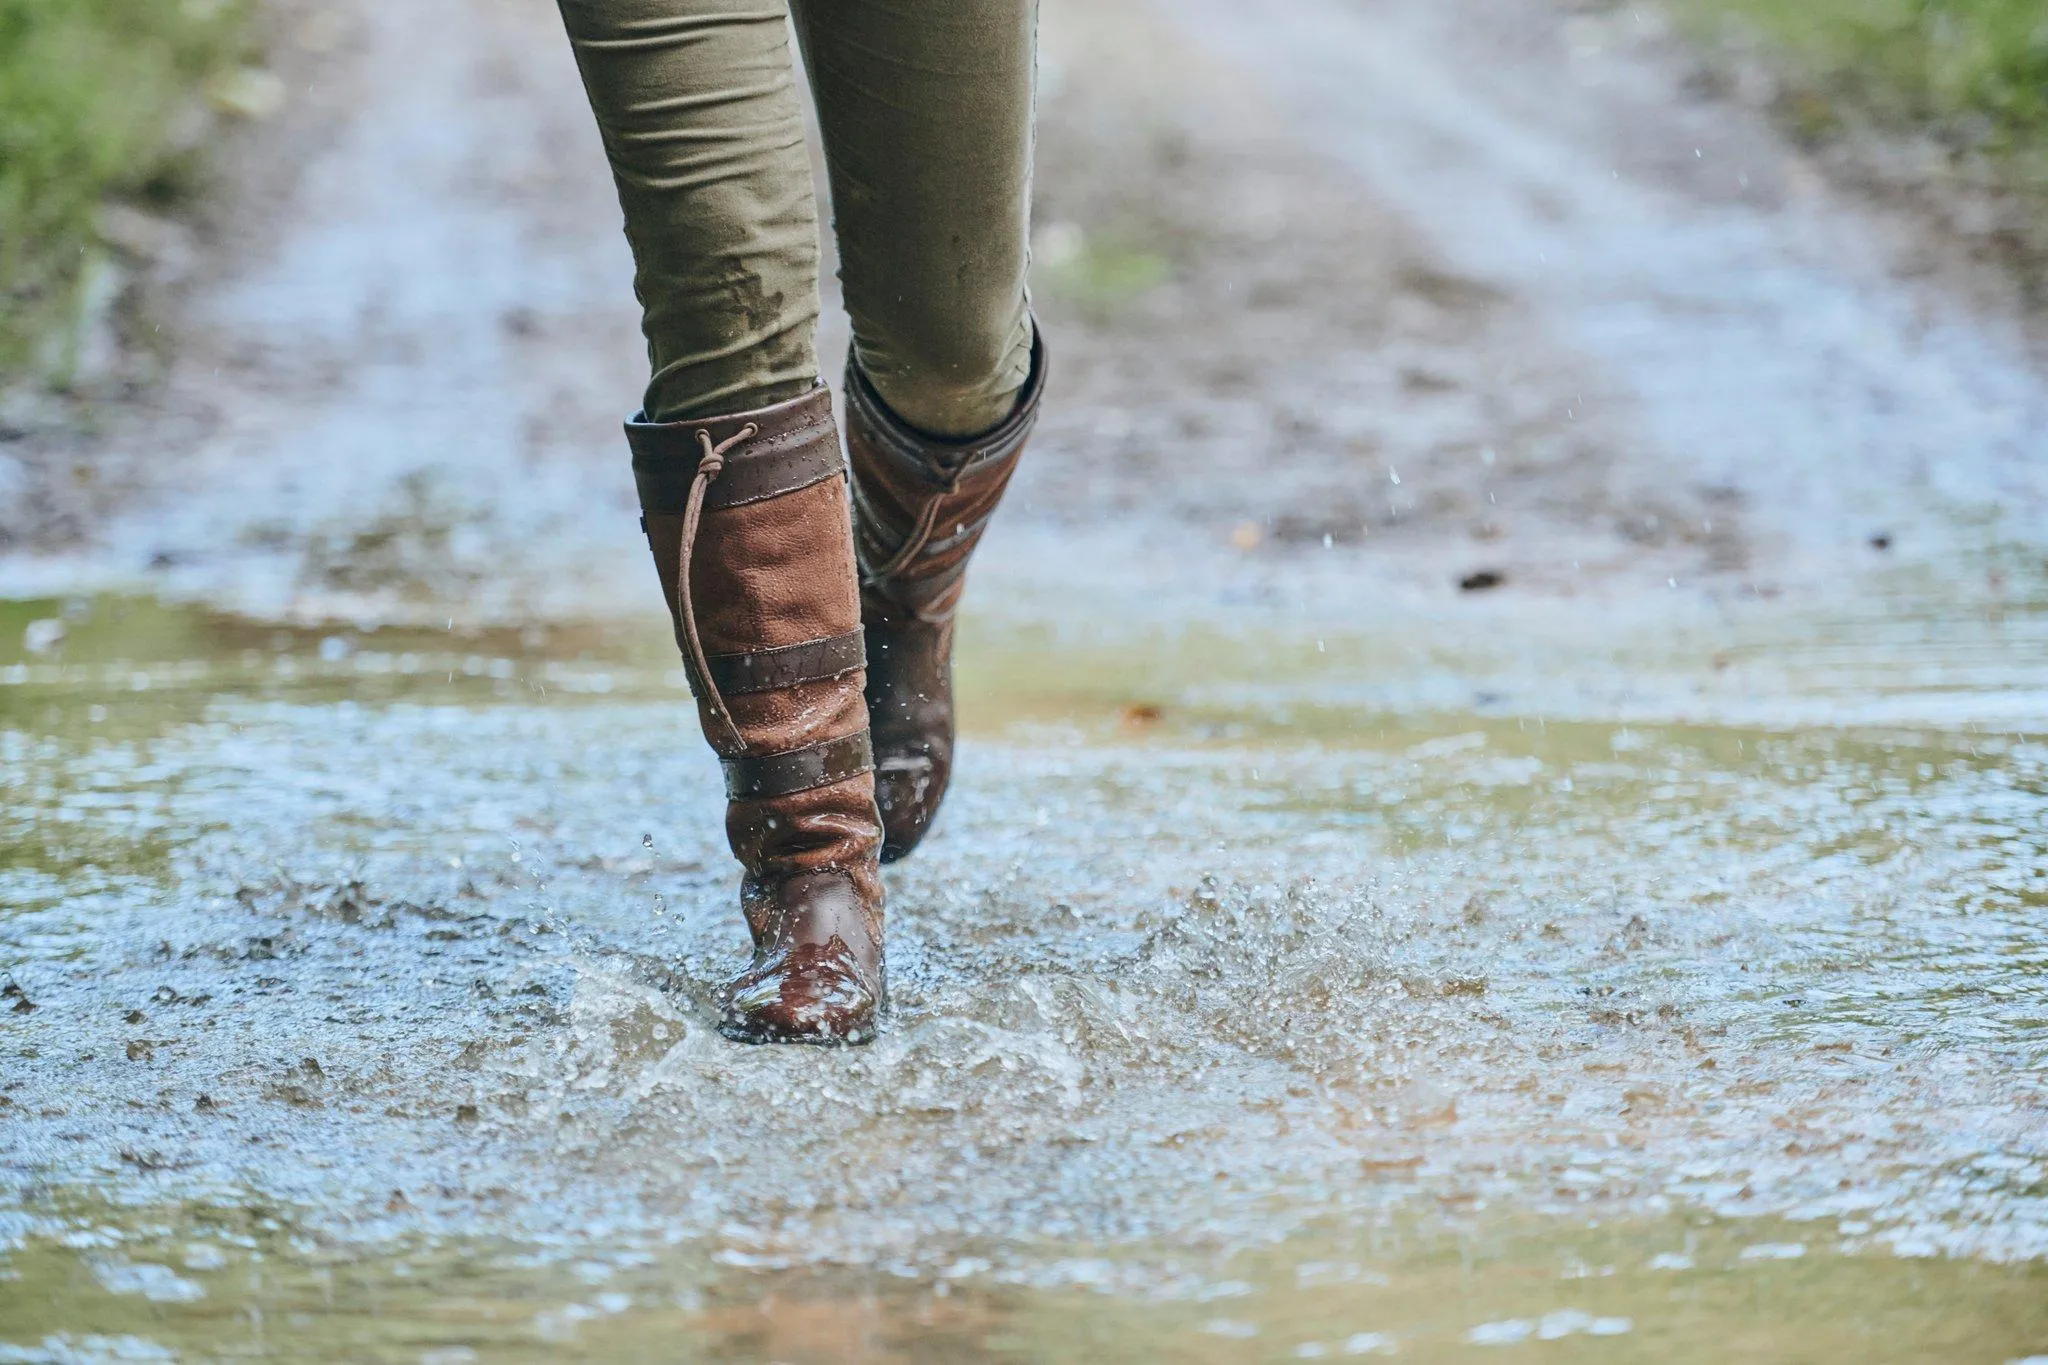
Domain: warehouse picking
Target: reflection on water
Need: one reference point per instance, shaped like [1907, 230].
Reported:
[166, 1283]
[1261, 997]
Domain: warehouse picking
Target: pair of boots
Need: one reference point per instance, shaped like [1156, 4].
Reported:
[819, 648]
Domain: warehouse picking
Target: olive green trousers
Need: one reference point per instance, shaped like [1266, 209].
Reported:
[925, 108]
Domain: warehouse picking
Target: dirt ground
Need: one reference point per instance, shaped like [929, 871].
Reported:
[1408, 298]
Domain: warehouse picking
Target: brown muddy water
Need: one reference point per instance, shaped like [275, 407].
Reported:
[1270, 995]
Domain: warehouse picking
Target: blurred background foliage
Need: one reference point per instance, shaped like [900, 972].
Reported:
[1974, 71]
[100, 100]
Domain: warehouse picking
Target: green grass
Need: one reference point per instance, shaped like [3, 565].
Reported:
[99, 100]
[1973, 70]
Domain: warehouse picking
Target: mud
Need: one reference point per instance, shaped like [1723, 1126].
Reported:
[1315, 958]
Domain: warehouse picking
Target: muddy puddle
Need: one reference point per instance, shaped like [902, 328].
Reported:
[1263, 996]
[238, 1283]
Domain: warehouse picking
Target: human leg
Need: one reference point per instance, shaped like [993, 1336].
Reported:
[743, 488]
[926, 110]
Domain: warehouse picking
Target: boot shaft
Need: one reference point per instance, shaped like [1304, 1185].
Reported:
[747, 518]
[923, 502]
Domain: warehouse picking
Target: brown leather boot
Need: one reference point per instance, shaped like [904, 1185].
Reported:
[921, 504]
[750, 511]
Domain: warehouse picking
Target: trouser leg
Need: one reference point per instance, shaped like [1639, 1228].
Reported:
[926, 106]
[697, 104]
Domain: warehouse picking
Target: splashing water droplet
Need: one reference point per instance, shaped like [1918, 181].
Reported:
[647, 841]
[660, 907]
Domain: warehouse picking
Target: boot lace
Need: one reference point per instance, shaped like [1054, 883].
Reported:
[708, 468]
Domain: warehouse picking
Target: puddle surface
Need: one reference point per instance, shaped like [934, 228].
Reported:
[360, 993]
[239, 1283]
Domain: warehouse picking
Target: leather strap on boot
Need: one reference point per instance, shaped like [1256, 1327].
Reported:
[694, 469]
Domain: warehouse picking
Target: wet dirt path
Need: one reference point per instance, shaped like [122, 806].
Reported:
[1316, 959]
